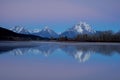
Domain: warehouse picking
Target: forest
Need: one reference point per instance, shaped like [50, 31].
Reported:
[99, 36]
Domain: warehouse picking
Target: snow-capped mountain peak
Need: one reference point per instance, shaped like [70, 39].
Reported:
[20, 29]
[47, 29]
[36, 31]
[80, 28]
[47, 32]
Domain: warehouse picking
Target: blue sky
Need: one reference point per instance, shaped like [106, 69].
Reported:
[60, 14]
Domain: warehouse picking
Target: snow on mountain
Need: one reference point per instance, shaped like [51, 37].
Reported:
[35, 31]
[81, 28]
[20, 29]
[47, 33]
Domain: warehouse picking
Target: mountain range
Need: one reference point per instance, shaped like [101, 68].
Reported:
[79, 32]
[6, 34]
[20, 29]
[80, 28]
[47, 33]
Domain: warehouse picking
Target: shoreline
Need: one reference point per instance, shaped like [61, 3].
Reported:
[60, 42]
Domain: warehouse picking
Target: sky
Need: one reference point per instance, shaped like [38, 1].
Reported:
[60, 14]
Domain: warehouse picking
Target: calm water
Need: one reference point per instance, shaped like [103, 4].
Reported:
[59, 61]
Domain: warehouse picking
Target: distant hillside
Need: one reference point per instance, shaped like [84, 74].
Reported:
[6, 34]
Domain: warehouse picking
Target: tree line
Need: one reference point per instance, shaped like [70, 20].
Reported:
[99, 36]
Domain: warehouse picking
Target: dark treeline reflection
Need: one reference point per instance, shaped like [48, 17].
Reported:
[80, 52]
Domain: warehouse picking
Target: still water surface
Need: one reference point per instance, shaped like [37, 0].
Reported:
[59, 61]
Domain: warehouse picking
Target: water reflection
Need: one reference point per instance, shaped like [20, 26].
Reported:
[81, 51]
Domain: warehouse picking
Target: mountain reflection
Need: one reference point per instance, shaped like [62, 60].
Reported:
[81, 52]
[77, 52]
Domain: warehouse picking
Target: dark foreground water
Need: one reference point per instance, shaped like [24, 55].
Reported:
[59, 61]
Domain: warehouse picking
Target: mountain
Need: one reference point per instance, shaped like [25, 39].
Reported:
[80, 28]
[35, 31]
[20, 29]
[9, 35]
[47, 33]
